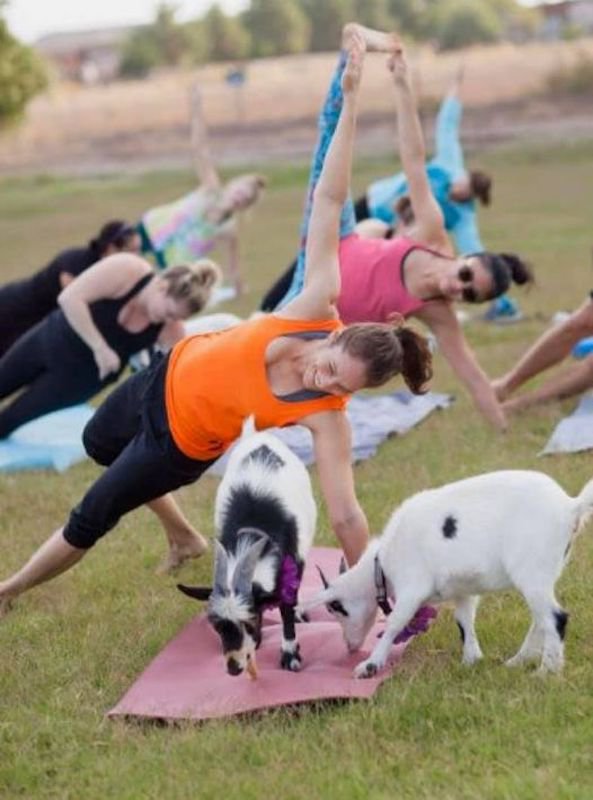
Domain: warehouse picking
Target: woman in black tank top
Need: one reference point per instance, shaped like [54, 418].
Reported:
[115, 309]
[24, 303]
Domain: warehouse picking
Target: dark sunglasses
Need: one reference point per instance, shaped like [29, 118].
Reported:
[466, 275]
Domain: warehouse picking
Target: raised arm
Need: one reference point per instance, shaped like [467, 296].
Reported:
[441, 319]
[322, 272]
[429, 218]
[205, 169]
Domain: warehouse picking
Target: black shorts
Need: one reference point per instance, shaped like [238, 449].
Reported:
[129, 434]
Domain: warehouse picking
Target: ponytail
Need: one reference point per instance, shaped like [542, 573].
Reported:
[388, 350]
[192, 284]
[416, 359]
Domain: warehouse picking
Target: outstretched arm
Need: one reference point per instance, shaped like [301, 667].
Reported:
[206, 171]
[333, 456]
[322, 273]
[429, 218]
[442, 321]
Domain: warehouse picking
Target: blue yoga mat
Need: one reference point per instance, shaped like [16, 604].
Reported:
[53, 441]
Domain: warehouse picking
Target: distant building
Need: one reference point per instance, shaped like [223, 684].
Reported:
[91, 56]
[574, 16]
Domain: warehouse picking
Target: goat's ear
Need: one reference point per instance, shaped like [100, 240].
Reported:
[243, 574]
[324, 580]
[197, 592]
[221, 569]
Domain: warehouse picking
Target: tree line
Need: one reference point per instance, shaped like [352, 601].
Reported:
[284, 27]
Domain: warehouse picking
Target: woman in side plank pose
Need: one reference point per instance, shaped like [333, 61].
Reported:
[166, 425]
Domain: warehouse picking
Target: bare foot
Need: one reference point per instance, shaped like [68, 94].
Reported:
[375, 41]
[499, 385]
[192, 545]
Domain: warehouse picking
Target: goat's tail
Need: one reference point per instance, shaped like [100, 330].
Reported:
[249, 428]
[583, 506]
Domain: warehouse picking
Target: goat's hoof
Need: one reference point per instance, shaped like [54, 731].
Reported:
[291, 660]
[546, 670]
[469, 661]
[366, 669]
[301, 616]
[515, 661]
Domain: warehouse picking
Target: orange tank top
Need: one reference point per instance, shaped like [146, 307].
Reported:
[216, 380]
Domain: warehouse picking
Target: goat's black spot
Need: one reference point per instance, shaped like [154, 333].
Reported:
[265, 456]
[561, 622]
[337, 607]
[449, 527]
[230, 634]
[246, 508]
[461, 631]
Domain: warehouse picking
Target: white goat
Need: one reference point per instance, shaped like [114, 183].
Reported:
[265, 517]
[501, 530]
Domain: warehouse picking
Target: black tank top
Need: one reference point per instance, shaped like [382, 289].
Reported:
[65, 348]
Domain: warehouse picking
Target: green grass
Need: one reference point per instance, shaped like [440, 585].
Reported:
[72, 647]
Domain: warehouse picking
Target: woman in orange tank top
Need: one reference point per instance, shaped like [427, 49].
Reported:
[163, 427]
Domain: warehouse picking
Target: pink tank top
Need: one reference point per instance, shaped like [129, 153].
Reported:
[372, 279]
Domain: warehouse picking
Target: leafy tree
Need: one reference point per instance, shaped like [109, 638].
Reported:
[277, 27]
[140, 54]
[413, 17]
[373, 13]
[459, 23]
[327, 19]
[225, 37]
[170, 38]
[162, 42]
[22, 74]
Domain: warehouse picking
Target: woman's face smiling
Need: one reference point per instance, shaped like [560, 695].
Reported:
[334, 371]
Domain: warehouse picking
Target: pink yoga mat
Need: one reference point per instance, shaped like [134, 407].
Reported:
[188, 680]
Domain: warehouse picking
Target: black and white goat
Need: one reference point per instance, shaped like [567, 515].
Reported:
[501, 530]
[265, 518]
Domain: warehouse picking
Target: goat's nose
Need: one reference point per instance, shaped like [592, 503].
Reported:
[233, 667]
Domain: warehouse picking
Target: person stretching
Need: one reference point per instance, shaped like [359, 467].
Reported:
[26, 302]
[191, 226]
[163, 427]
[114, 309]
[416, 275]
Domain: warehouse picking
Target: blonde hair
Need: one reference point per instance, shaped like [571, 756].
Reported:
[256, 184]
[192, 284]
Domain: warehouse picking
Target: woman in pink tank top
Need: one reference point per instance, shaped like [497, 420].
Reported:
[416, 274]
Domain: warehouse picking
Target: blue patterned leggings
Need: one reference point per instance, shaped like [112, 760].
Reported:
[328, 120]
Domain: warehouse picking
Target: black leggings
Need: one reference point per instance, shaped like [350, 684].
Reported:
[46, 386]
[277, 291]
[130, 435]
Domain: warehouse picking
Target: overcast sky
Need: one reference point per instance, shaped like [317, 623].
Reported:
[30, 19]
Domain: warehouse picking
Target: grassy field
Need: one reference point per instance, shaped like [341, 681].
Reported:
[71, 648]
